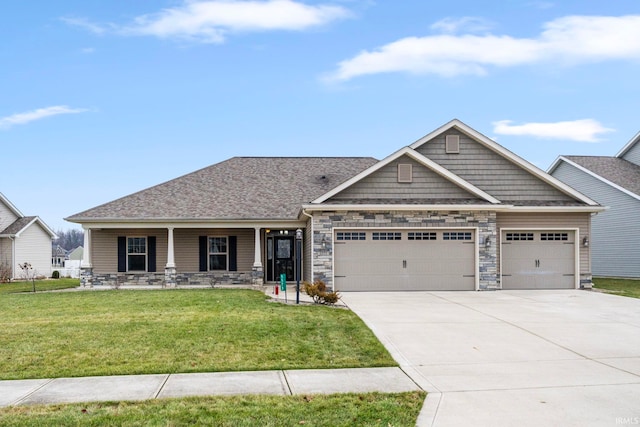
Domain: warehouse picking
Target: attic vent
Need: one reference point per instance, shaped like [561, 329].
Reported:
[452, 144]
[405, 173]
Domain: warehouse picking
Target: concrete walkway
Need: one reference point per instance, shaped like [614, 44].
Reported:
[525, 358]
[142, 387]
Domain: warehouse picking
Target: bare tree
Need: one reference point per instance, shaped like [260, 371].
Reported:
[69, 239]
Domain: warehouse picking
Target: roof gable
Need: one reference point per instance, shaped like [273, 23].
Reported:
[21, 224]
[445, 180]
[616, 172]
[8, 212]
[631, 151]
[496, 170]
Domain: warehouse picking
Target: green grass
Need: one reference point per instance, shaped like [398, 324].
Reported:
[41, 285]
[70, 334]
[624, 287]
[372, 409]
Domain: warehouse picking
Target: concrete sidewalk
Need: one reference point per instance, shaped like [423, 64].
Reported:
[142, 387]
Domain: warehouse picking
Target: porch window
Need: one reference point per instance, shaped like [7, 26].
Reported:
[218, 253]
[136, 254]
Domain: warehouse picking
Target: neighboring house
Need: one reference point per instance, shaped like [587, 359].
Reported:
[24, 239]
[613, 182]
[58, 256]
[452, 211]
[76, 254]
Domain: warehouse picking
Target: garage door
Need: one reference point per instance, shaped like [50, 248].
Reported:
[406, 260]
[538, 259]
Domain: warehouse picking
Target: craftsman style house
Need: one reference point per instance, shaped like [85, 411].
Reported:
[452, 211]
[613, 182]
[23, 239]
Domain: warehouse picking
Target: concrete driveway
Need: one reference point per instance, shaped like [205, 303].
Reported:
[525, 358]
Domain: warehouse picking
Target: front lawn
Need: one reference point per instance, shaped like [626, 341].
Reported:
[71, 334]
[624, 287]
[41, 285]
[372, 409]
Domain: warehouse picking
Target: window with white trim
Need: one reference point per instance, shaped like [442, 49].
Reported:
[218, 253]
[136, 254]
[351, 235]
[519, 237]
[456, 235]
[563, 237]
[387, 236]
[421, 235]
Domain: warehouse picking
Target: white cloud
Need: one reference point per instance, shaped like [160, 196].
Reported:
[567, 40]
[585, 130]
[40, 113]
[85, 24]
[453, 25]
[210, 21]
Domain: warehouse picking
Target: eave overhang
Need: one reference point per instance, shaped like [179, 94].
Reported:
[111, 223]
[331, 207]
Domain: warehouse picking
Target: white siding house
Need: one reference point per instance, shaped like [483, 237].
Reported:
[24, 239]
[613, 182]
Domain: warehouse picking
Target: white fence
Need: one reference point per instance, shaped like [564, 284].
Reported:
[71, 269]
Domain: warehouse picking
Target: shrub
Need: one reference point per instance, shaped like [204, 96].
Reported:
[5, 272]
[55, 274]
[318, 292]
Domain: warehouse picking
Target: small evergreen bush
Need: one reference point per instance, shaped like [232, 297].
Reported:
[55, 274]
[318, 292]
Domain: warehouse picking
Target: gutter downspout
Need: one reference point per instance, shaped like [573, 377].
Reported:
[311, 254]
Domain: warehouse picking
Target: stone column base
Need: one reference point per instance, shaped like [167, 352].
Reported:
[170, 277]
[86, 277]
[257, 276]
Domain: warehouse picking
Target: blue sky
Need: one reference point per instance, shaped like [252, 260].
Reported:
[102, 98]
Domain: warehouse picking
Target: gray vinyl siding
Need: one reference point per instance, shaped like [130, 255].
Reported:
[383, 184]
[551, 221]
[615, 232]
[633, 155]
[186, 247]
[490, 171]
[7, 217]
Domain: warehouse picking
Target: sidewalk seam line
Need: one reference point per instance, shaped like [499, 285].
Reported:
[157, 393]
[286, 382]
[19, 400]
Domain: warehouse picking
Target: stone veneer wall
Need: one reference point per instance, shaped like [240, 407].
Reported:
[484, 221]
[181, 279]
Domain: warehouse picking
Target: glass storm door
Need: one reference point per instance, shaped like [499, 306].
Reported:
[280, 258]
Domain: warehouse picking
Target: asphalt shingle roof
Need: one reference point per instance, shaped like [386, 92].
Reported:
[18, 225]
[619, 171]
[235, 189]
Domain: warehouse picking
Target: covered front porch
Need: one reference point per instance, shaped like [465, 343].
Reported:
[173, 255]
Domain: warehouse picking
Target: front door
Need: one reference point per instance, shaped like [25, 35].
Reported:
[280, 257]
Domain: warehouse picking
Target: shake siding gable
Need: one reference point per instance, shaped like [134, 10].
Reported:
[489, 170]
[615, 232]
[383, 184]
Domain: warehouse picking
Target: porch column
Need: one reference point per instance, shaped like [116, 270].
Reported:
[257, 271]
[171, 263]
[86, 269]
[170, 268]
